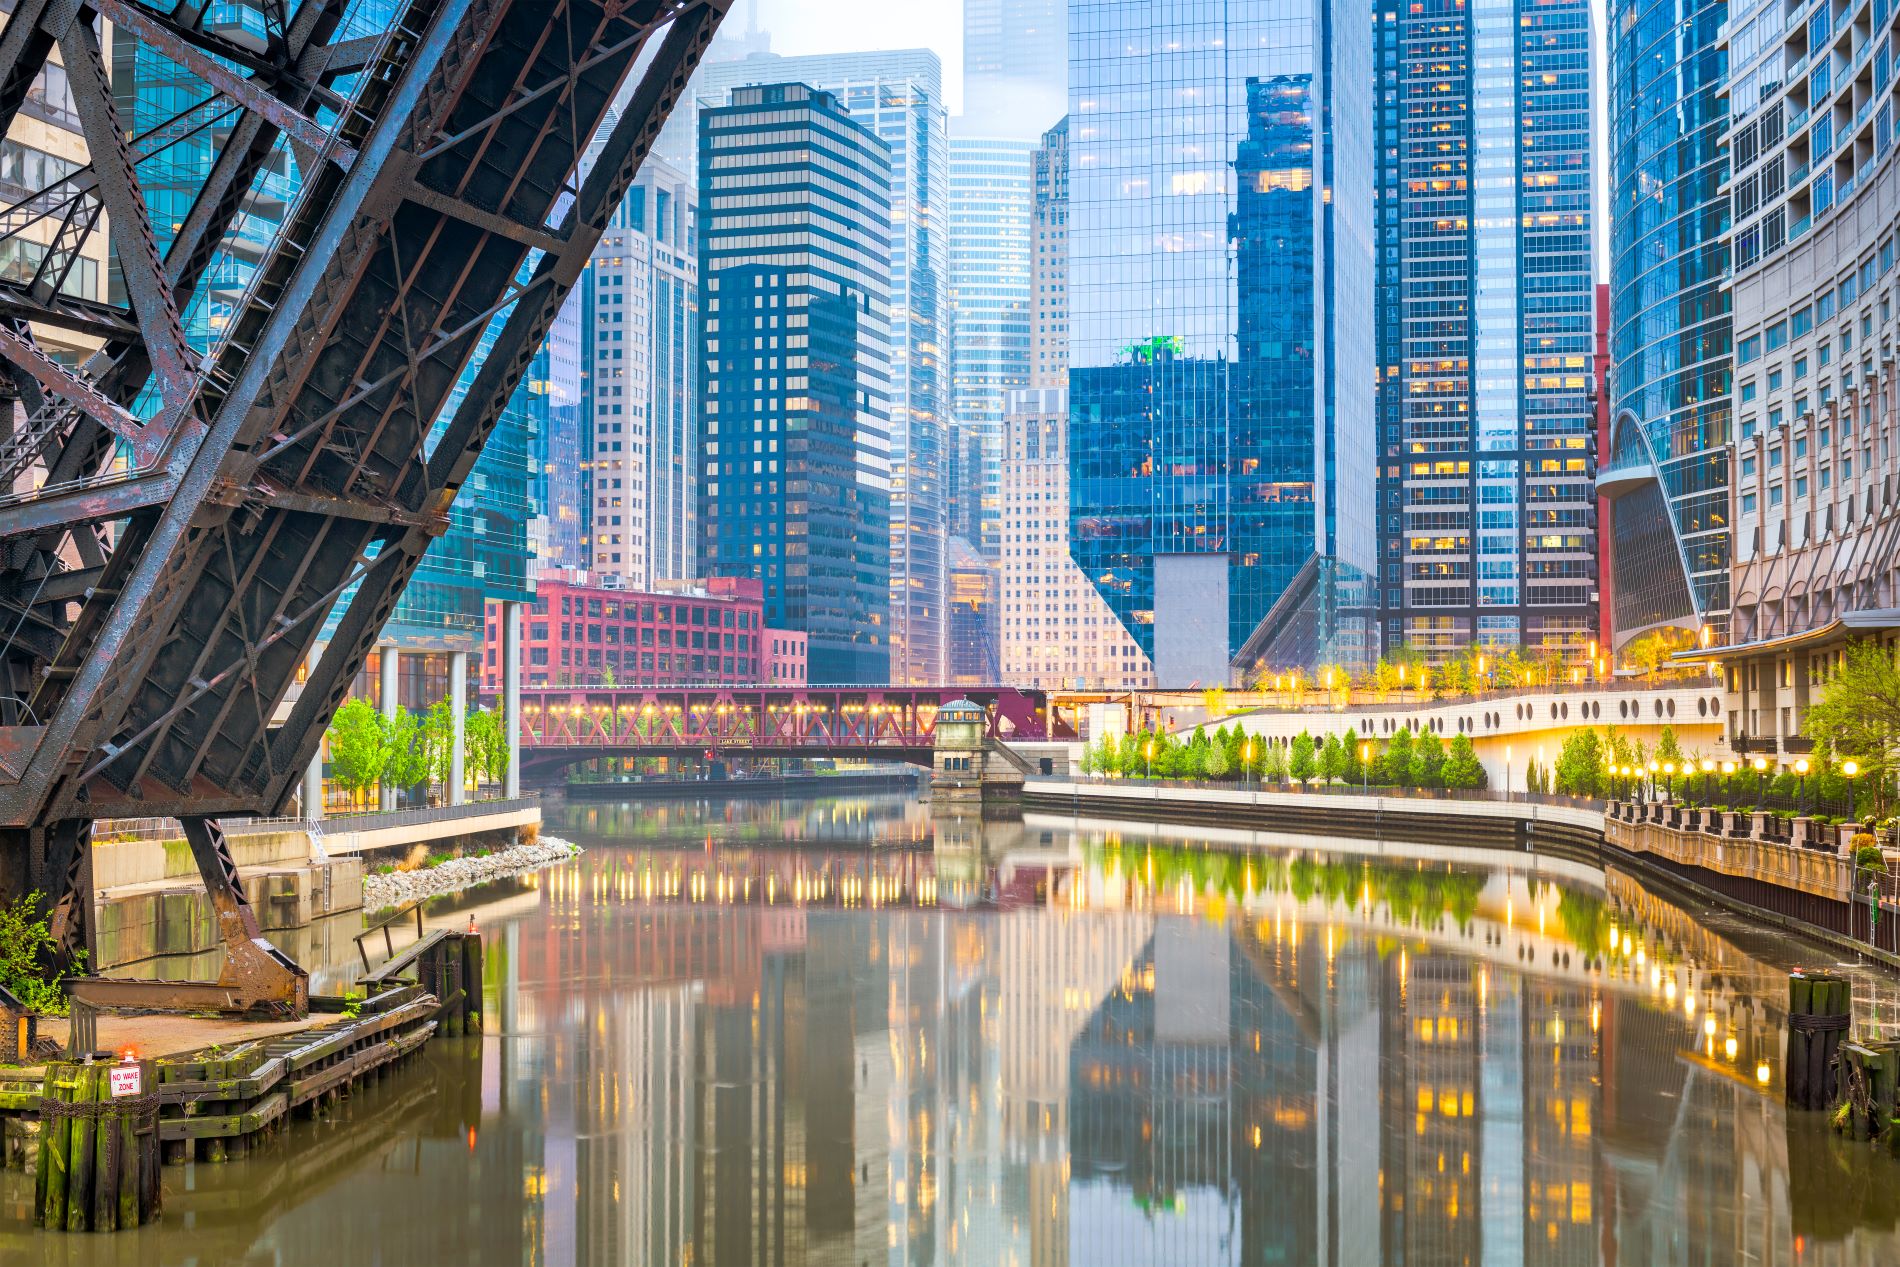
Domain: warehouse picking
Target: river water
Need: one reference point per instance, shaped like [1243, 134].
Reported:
[835, 1032]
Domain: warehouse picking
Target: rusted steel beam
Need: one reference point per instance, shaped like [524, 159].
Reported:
[487, 221]
[247, 92]
[261, 977]
[68, 386]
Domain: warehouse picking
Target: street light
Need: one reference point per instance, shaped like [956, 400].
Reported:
[1669, 778]
[1653, 768]
[1151, 758]
[1801, 768]
[1246, 761]
[1365, 766]
[1761, 779]
[1708, 768]
[1850, 768]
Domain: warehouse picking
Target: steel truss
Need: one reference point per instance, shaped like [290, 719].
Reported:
[176, 527]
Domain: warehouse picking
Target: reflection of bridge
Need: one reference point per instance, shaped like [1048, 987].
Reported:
[563, 725]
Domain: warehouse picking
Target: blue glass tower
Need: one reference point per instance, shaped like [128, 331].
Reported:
[1668, 466]
[1221, 379]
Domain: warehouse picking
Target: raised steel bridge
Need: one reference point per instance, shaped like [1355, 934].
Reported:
[563, 725]
[176, 525]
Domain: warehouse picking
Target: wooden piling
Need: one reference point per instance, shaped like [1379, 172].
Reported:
[472, 982]
[104, 1215]
[56, 1131]
[1820, 1008]
[80, 1155]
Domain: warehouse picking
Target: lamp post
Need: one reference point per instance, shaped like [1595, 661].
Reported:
[1728, 774]
[1653, 768]
[1708, 768]
[1849, 769]
[1669, 779]
[1507, 771]
[1365, 767]
[1761, 779]
[1801, 768]
[1246, 761]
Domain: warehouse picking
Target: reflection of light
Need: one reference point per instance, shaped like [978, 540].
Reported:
[1730, 1047]
[1762, 1073]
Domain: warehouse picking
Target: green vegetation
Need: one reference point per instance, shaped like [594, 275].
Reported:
[1858, 714]
[368, 750]
[26, 943]
[1227, 755]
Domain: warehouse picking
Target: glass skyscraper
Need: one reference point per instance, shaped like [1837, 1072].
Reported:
[1015, 66]
[1221, 384]
[794, 263]
[1668, 466]
[898, 95]
[1486, 301]
[990, 283]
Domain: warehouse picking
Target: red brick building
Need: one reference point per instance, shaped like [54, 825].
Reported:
[710, 635]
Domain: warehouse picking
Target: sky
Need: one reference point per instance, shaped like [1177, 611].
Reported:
[838, 26]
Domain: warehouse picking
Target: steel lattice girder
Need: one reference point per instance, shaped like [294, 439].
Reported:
[311, 472]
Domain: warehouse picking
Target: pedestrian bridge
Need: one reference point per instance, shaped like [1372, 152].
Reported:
[564, 725]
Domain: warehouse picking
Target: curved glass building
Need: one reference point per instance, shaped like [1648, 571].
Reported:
[1667, 469]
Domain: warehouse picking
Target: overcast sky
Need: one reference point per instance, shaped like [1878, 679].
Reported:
[839, 26]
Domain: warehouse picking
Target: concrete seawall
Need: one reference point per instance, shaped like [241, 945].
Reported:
[1802, 890]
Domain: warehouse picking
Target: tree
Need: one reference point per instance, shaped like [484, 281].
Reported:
[358, 747]
[1651, 651]
[607, 676]
[1332, 759]
[1579, 764]
[1428, 760]
[1272, 760]
[1193, 763]
[407, 762]
[1301, 764]
[1461, 768]
[26, 946]
[438, 742]
[1667, 749]
[1858, 714]
[1217, 764]
[487, 745]
[1396, 766]
[1354, 771]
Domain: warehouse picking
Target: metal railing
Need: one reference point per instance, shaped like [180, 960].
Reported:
[1491, 796]
[373, 820]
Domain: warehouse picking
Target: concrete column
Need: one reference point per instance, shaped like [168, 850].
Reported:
[511, 691]
[313, 787]
[458, 704]
[391, 659]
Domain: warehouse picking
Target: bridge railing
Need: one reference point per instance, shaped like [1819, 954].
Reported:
[374, 820]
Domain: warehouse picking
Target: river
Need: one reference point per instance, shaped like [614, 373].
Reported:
[837, 1032]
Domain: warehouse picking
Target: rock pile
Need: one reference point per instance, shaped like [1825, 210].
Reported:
[399, 887]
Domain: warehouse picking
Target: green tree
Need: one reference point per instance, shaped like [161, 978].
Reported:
[1579, 764]
[1332, 759]
[1353, 771]
[407, 762]
[1667, 749]
[438, 741]
[607, 676]
[1217, 764]
[1271, 758]
[487, 745]
[1858, 714]
[1461, 768]
[1301, 764]
[1193, 762]
[358, 747]
[1396, 765]
[1428, 760]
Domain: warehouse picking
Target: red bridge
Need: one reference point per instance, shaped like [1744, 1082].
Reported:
[561, 725]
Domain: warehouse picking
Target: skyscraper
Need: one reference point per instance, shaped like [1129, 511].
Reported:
[990, 288]
[1015, 65]
[558, 535]
[794, 260]
[1049, 233]
[1220, 236]
[1487, 501]
[642, 295]
[898, 95]
[1670, 428]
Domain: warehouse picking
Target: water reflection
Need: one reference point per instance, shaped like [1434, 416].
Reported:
[744, 1037]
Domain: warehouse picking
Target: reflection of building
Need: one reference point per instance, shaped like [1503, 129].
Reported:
[1221, 436]
[973, 617]
[1485, 376]
[794, 486]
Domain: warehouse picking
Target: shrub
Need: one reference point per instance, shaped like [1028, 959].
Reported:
[25, 942]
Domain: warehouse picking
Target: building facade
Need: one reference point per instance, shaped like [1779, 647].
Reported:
[1815, 474]
[1487, 501]
[1015, 65]
[1049, 245]
[1056, 630]
[795, 372]
[642, 293]
[898, 95]
[1222, 447]
[580, 634]
[1666, 472]
[990, 289]
[558, 532]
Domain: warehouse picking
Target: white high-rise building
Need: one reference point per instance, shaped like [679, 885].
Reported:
[642, 328]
